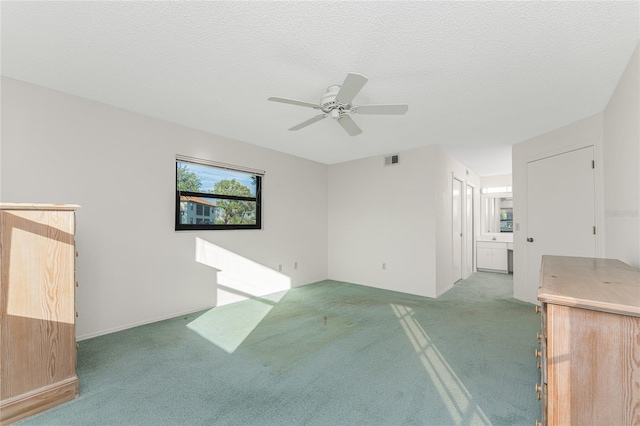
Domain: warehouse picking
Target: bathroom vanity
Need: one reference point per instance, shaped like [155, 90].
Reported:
[492, 256]
[494, 247]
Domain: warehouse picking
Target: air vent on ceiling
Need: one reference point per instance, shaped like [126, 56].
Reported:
[391, 160]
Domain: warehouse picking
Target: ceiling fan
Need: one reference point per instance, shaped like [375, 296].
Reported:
[336, 103]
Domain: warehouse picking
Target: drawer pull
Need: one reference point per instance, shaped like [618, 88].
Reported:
[539, 336]
[539, 396]
[537, 309]
[537, 353]
[539, 365]
[538, 388]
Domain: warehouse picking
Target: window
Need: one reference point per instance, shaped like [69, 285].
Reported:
[224, 196]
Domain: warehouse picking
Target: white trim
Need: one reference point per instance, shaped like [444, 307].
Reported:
[563, 150]
[219, 165]
[473, 226]
[463, 213]
[598, 157]
[137, 324]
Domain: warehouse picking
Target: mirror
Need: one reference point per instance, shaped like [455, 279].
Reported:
[497, 214]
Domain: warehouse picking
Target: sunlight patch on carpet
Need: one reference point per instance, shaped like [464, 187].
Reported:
[452, 392]
[228, 326]
[238, 280]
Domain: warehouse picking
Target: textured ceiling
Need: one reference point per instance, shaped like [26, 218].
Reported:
[478, 76]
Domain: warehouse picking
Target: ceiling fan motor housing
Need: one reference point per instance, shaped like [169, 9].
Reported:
[329, 105]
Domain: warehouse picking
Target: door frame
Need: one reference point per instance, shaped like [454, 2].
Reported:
[473, 227]
[462, 181]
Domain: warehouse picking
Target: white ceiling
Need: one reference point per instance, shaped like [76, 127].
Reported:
[478, 76]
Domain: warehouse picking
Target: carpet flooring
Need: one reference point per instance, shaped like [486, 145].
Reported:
[329, 353]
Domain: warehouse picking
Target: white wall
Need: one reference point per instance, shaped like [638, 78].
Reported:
[133, 267]
[398, 215]
[496, 181]
[379, 215]
[621, 164]
[582, 133]
[445, 167]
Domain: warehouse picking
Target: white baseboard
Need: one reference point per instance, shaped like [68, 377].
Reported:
[136, 324]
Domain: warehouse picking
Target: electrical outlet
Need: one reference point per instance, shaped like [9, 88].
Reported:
[517, 226]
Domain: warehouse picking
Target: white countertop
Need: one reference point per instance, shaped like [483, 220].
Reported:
[506, 237]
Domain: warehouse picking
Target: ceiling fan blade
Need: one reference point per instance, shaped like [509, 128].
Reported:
[294, 102]
[349, 125]
[308, 122]
[381, 109]
[350, 88]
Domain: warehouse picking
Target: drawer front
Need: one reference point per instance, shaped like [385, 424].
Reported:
[492, 245]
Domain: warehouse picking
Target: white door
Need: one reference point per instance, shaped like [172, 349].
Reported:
[468, 235]
[456, 217]
[560, 210]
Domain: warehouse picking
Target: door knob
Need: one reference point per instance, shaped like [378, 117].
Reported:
[530, 239]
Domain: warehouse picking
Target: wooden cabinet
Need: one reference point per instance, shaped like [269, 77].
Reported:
[590, 342]
[492, 256]
[37, 299]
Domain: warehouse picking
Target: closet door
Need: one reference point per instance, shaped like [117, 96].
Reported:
[560, 209]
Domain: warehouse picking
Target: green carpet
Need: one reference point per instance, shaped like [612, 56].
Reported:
[329, 353]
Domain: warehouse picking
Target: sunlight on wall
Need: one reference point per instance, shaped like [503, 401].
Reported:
[452, 391]
[237, 279]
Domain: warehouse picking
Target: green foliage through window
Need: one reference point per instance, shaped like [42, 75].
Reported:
[188, 181]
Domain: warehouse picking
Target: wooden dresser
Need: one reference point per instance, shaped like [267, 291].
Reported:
[590, 342]
[37, 299]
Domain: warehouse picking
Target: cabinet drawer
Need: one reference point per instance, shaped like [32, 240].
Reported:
[492, 245]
